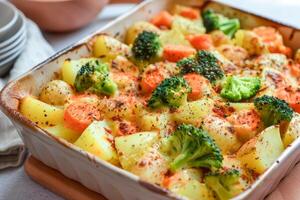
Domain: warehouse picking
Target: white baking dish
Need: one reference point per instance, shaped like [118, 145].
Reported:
[115, 183]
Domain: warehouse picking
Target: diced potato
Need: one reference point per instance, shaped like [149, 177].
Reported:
[222, 132]
[131, 148]
[272, 60]
[151, 167]
[188, 27]
[173, 36]
[194, 190]
[63, 132]
[251, 42]
[56, 92]
[122, 64]
[193, 112]
[261, 152]
[41, 113]
[124, 107]
[108, 48]
[232, 162]
[137, 28]
[293, 130]
[96, 140]
[70, 69]
[187, 183]
[272, 78]
[219, 38]
[242, 106]
[149, 121]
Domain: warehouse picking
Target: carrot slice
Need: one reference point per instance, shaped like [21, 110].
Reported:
[291, 96]
[196, 82]
[190, 13]
[174, 53]
[272, 38]
[79, 115]
[151, 80]
[162, 19]
[245, 123]
[201, 42]
[295, 69]
[169, 180]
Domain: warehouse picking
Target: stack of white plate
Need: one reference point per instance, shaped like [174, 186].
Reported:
[12, 35]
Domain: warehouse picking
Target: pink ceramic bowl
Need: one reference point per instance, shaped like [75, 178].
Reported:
[60, 15]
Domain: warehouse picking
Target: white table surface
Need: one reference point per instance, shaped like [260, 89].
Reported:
[16, 185]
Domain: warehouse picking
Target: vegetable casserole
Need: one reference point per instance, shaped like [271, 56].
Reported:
[190, 101]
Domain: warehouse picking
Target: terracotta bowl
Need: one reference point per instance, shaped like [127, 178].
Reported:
[60, 15]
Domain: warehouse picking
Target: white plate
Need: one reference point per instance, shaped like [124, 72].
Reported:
[15, 32]
[13, 51]
[8, 18]
[6, 64]
[14, 44]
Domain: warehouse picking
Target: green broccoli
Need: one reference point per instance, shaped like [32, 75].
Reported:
[204, 63]
[172, 92]
[146, 46]
[225, 184]
[236, 88]
[273, 110]
[213, 21]
[192, 147]
[94, 76]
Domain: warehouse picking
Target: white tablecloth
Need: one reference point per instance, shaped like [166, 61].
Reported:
[15, 184]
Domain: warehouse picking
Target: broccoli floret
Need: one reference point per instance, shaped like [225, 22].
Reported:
[192, 147]
[172, 92]
[273, 110]
[225, 184]
[213, 21]
[236, 88]
[146, 46]
[94, 76]
[204, 63]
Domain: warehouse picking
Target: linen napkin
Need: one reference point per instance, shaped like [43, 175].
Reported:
[12, 149]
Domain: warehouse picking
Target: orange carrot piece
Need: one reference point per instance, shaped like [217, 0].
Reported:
[201, 42]
[79, 115]
[291, 96]
[190, 13]
[174, 53]
[272, 38]
[163, 19]
[295, 69]
[196, 82]
[151, 80]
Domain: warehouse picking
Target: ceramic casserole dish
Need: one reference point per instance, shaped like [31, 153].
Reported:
[98, 175]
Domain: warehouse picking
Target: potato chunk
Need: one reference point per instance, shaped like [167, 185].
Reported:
[152, 166]
[222, 132]
[96, 140]
[138, 27]
[193, 112]
[293, 130]
[41, 113]
[150, 121]
[70, 69]
[63, 132]
[56, 92]
[131, 148]
[187, 183]
[260, 152]
[108, 48]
